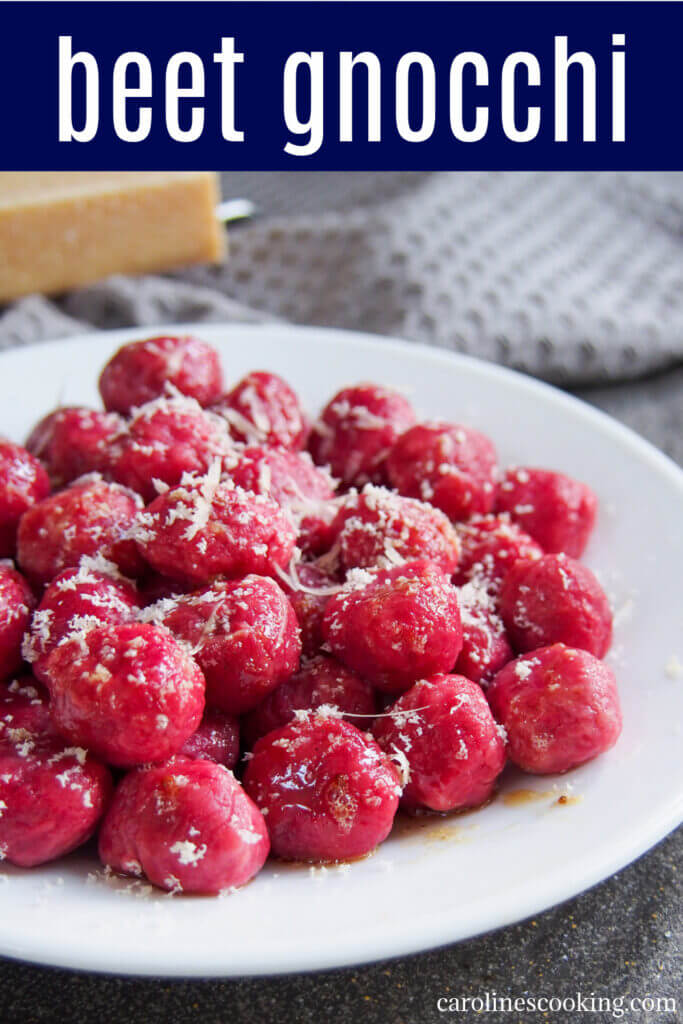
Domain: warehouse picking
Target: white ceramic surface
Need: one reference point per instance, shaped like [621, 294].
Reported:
[452, 878]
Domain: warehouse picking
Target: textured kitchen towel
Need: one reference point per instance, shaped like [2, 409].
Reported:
[573, 277]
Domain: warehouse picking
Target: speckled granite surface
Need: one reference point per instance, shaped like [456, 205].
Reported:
[622, 939]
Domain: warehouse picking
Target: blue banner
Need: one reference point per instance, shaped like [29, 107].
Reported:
[256, 86]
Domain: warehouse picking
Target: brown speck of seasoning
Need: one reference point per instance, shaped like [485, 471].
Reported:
[566, 801]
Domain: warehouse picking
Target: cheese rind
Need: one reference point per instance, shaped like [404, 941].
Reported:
[65, 230]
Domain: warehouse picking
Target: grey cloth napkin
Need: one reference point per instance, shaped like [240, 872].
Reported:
[576, 278]
[573, 277]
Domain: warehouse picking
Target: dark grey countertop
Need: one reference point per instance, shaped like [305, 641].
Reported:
[621, 940]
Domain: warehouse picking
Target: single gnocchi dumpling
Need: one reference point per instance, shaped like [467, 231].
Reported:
[186, 825]
[327, 790]
[559, 707]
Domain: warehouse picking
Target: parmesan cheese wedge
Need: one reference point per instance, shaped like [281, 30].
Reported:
[61, 230]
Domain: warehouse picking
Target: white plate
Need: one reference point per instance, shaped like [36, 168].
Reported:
[456, 877]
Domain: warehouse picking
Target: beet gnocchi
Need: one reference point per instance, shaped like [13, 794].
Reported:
[130, 692]
[187, 825]
[354, 614]
[396, 625]
[243, 635]
[326, 789]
